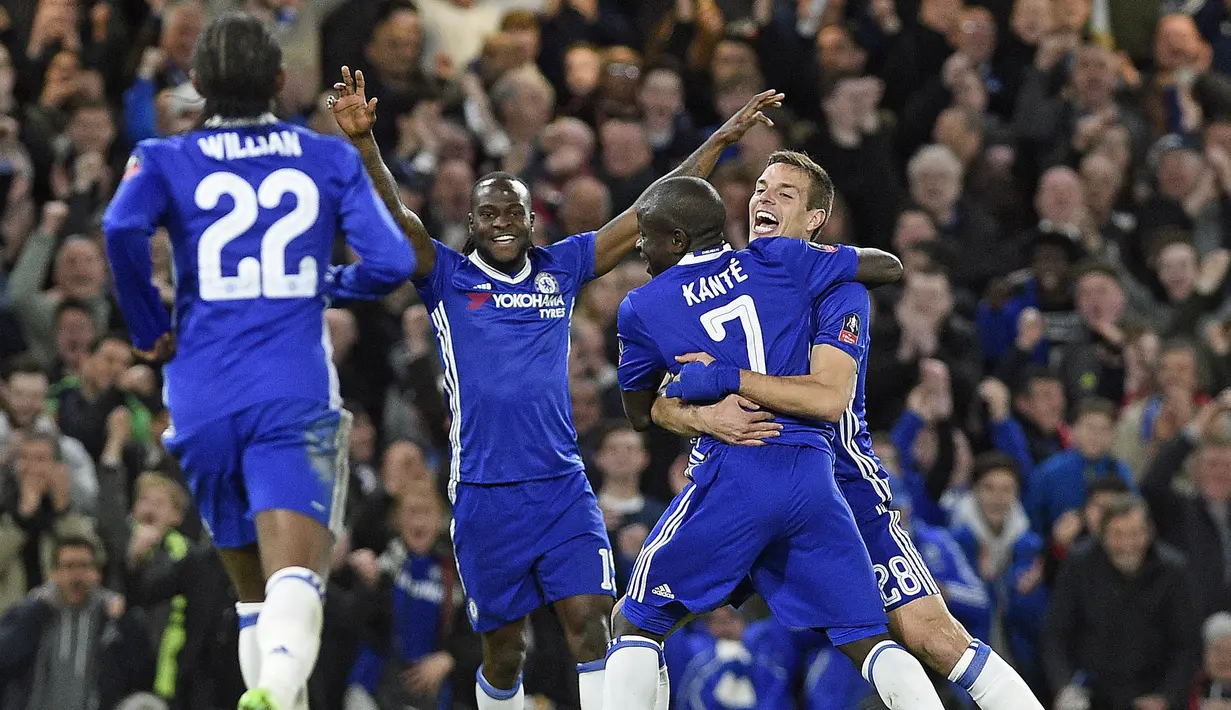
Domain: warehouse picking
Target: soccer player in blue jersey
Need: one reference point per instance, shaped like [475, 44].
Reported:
[792, 198]
[527, 530]
[772, 513]
[252, 206]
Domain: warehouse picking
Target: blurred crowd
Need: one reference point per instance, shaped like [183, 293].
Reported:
[1048, 384]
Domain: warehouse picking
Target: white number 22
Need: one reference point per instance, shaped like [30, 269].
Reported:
[267, 276]
[745, 311]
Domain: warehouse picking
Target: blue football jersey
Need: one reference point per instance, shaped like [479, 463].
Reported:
[504, 343]
[252, 211]
[750, 308]
[840, 318]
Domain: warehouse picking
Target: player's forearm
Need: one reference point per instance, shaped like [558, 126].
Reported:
[878, 268]
[678, 418]
[801, 396]
[387, 188]
[702, 160]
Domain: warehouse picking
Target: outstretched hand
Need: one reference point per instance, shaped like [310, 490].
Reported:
[354, 112]
[750, 115]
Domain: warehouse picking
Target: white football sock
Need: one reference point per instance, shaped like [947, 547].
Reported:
[663, 699]
[899, 679]
[590, 683]
[289, 632]
[493, 698]
[992, 683]
[632, 674]
[249, 649]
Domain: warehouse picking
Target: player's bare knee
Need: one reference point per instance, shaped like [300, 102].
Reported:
[586, 626]
[927, 629]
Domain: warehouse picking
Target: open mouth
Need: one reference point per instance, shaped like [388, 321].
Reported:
[504, 239]
[764, 223]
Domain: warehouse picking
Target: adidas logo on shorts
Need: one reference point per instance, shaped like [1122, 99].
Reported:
[663, 591]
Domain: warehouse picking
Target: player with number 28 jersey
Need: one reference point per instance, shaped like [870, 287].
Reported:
[252, 209]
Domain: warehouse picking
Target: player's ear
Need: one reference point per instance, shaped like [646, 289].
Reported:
[679, 241]
[816, 219]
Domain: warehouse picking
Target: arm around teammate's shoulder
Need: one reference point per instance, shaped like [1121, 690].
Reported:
[877, 267]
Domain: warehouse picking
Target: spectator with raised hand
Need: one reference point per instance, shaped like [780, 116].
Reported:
[1003, 431]
[1093, 364]
[991, 526]
[1174, 401]
[1198, 523]
[1127, 592]
[24, 396]
[79, 273]
[933, 454]
[1038, 402]
[1060, 484]
[82, 404]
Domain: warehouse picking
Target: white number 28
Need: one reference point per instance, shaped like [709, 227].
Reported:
[266, 276]
[744, 310]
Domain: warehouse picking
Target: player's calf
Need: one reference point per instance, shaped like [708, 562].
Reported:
[585, 619]
[926, 627]
[897, 676]
[499, 678]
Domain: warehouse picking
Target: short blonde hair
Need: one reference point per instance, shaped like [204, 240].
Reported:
[154, 479]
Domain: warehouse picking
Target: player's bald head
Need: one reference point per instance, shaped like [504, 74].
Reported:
[684, 204]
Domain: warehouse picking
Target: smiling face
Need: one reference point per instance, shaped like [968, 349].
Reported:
[779, 204]
[501, 221]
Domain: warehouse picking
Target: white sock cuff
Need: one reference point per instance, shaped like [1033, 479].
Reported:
[592, 666]
[970, 665]
[633, 641]
[492, 691]
[877, 650]
[248, 613]
[301, 574]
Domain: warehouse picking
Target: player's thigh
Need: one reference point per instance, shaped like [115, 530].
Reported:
[295, 472]
[901, 574]
[818, 574]
[210, 455]
[495, 532]
[701, 549]
[575, 555]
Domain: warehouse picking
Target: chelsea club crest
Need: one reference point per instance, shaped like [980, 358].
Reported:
[546, 283]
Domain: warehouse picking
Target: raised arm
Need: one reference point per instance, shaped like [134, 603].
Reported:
[356, 115]
[618, 237]
[877, 268]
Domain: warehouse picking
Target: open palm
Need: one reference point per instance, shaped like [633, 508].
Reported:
[353, 111]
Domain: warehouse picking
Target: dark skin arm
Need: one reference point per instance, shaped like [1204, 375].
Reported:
[356, 115]
[618, 237]
[877, 268]
[638, 407]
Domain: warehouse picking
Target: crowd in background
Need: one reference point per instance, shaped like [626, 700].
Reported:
[1047, 384]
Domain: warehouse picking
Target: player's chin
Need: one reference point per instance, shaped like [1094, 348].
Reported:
[506, 252]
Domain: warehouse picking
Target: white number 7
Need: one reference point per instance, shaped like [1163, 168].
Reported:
[745, 311]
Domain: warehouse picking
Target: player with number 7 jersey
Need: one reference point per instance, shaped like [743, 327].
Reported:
[252, 206]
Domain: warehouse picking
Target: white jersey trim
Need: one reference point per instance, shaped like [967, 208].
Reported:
[497, 274]
[700, 257]
[453, 394]
[848, 429]
[641, 570]
[335, 391]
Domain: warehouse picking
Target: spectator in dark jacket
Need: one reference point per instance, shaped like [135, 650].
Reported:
[1199, 525]
[1130, 593]
[108, 653]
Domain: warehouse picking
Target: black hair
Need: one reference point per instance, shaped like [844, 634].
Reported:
[392, 7]
[688, 204]
[76, 541]
[989, 461]
[1107, 484]
[237, 62]
[21, 364]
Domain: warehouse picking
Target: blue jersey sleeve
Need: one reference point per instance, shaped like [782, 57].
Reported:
[840, 317]
[135, 212]
[815, 267]
[576, 255]
[641, 362]
[385, 258]
[431, 288]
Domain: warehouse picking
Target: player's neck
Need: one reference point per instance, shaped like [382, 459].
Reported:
[237, 122]
[510, 268]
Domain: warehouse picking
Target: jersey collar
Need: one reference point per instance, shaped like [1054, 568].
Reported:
[700, 257]
[220, 122]
[497, 274]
